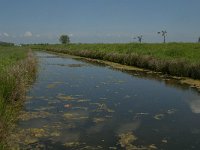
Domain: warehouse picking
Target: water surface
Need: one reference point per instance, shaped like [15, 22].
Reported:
[78, 105]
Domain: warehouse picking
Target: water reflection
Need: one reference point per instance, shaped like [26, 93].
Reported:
[77, 105]
[194, 104]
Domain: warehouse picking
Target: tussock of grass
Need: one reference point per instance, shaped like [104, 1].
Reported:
[18, 68]
[180, 59]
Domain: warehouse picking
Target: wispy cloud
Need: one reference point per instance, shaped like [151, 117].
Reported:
[71, 35]
[6, 34]
[28, 34]
[38, 35]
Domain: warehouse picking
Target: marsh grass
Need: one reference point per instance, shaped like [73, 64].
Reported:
[180, 59]
[18, 69]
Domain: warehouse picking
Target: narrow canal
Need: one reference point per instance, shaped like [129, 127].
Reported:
[78, 105]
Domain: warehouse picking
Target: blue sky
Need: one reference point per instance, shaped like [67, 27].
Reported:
[89, 21]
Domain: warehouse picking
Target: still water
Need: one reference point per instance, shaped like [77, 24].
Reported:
[78, 105]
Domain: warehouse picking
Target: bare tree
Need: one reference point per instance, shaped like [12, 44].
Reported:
[164, 34]
[139, 38]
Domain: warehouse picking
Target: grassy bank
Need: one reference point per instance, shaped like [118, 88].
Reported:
[180, 59]
[17, 70]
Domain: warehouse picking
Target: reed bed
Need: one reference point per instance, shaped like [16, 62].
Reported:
[17, 71]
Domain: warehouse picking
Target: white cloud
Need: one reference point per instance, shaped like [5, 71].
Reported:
[14, 36]
[6, 34]
[108, 34]
[71, 35]
[38, 35]
[49, 35]
[28, 34]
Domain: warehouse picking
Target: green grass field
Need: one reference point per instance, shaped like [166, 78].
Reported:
[10, 55]
[180, 59]
[17, 69]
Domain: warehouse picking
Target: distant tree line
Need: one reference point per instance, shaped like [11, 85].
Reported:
[64, 39]
[6, 44]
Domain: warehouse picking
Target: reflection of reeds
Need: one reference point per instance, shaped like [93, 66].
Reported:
[180, 59]
[13, 83]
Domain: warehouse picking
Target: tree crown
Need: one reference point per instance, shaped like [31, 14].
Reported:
[64, 39]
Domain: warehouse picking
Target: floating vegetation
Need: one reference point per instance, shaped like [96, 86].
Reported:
[30, 140]
[104, 83]
[152, 147]
[98, 120]
[67, 105]
[65, 97]
[56, 127]
[102, 108]
[126, 139]
[74, 116]
[97, 104]
[83, 100]
[138, 115]
[142, 113]
[33, 115]
[81, 108]
[159, 116]
[120, 81]
[103, 98]
[113, 148]
[26, 137]
[50, 86]
[55, 134]
[22, 136]
[71, 144]
[171, 111]
[71, 65]
[164, 141]
[91, 148]
[38, 132]
[53, 102]
[44, 108]
[110, 110]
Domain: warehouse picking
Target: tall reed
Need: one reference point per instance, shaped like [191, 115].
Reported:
[14, 81]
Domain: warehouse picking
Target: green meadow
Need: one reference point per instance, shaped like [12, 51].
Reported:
[179, 59]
